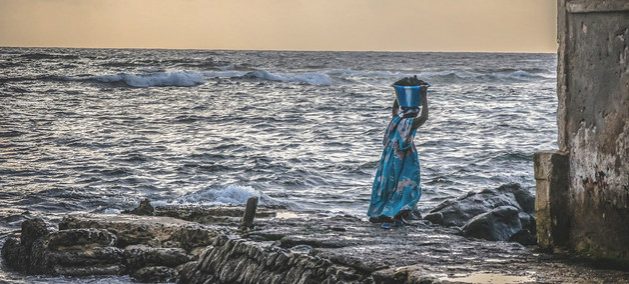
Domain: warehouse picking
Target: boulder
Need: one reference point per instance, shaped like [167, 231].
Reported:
[81, 237]
[498, 224]
[524, 237]
[84, 245]
[32, 230]
[26, 252]
[14, 254]
[458, 211]
[147, 230]
[87, 255]
[101, 269]
[140, 255]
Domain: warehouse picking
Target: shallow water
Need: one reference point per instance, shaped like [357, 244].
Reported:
[98, 129]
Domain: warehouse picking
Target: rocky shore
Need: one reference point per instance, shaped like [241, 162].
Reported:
[207, 245]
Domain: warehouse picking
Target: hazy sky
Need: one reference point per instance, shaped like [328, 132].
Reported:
[395, 25]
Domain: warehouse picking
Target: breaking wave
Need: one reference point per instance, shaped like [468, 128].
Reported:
[228, 195]
[195, 78]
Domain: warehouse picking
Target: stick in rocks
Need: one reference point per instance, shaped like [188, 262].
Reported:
[250, 213]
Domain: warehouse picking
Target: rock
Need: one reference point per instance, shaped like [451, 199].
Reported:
[190, 273]
[27, 253]
[113, 269]
[240, 261]
[32, 230]
[498, 224]
[209, 215]
[457, 212]
[313, 250]
[86, 256]
[15, 254]
[80, 237]
[145, 208]
[146, 230]
[38, 258]
[155, 274]
[524, 237]
[140, 255]
[528, 222]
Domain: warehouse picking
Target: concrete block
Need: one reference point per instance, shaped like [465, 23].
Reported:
[551, 200]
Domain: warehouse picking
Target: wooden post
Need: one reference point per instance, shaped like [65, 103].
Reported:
[250, 213]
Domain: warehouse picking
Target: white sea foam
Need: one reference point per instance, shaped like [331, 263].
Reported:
[228, 195]
[190, 78]
[112, 211]
[157, 79]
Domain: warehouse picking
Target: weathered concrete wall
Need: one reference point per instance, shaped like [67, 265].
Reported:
[593, 92]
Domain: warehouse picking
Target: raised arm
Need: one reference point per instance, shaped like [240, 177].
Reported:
[396, 107]
[421, 119]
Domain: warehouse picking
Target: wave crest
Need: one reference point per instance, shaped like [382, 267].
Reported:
[190, 78]
[229, 195]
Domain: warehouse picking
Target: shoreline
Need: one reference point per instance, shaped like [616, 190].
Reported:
[188, 244]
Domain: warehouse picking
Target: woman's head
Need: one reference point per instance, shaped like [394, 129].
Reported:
[410, 81]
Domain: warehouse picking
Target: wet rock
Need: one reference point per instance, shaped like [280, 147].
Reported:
[38, 258]
[240, 261]
[86, 256]
[199, 214]
[155, 274]
[32, 230]
[26, 253]
[15, 254]
[528, 222]
[361, 253]
[141, 255]
[498, 224]
[147, 230]
[80, 237]
[209, 215]
[113, 269]
[85, 246]
[524, 237]
[457, 212]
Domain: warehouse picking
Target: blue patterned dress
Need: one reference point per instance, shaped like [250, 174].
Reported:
[396, 185]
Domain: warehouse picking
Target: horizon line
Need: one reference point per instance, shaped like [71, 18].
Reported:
[285, 50]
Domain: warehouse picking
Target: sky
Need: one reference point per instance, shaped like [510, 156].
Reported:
[356, 25]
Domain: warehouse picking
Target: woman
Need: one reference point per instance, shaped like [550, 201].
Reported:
[396, 188]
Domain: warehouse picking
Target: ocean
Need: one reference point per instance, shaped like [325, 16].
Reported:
[97, 130]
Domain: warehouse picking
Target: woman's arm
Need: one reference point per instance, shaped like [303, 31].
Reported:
[421, 119]
[396, 107]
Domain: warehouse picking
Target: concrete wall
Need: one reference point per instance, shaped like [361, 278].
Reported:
[593, 120]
